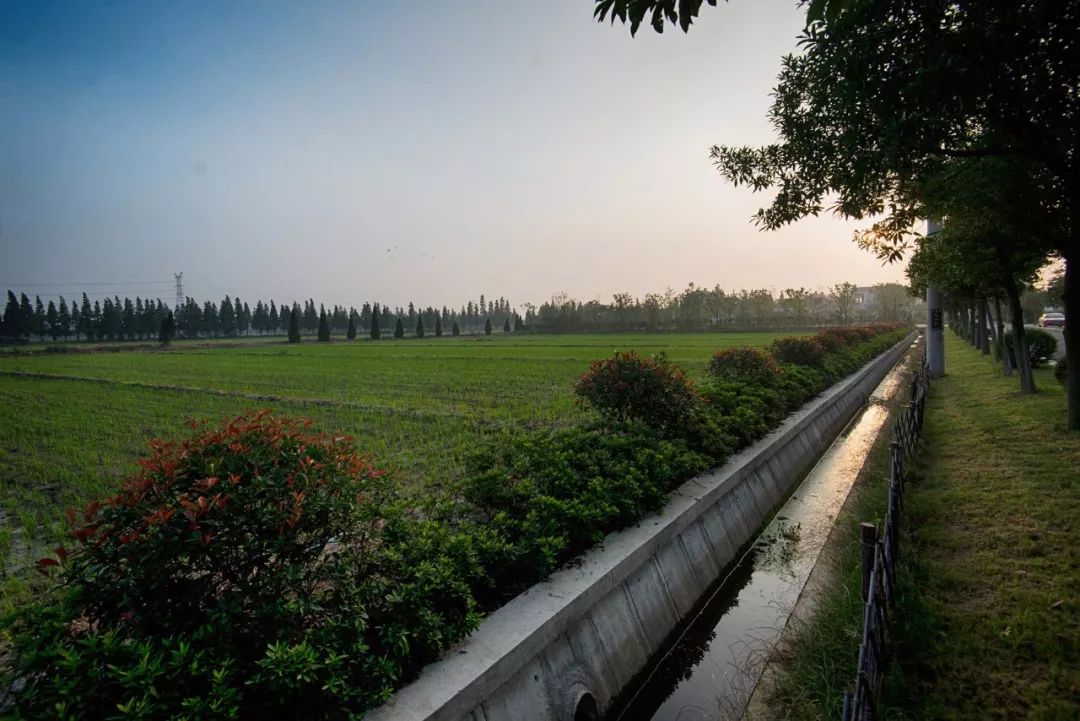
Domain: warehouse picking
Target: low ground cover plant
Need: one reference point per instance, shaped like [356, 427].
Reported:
[262, 570]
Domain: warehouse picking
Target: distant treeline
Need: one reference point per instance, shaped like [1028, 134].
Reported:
[692, 309]
[696, 309]
[126, 319]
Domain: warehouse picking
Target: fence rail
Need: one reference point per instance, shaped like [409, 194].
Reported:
[879, 556]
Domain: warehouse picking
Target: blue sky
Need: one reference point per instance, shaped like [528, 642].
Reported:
[426, 151]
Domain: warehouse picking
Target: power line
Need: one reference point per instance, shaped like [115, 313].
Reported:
[115, 284]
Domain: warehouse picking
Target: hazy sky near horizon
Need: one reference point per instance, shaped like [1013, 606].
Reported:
[391, 152]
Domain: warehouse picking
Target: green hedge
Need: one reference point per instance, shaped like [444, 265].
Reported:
[260, 570]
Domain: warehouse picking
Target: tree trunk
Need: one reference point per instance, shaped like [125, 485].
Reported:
[984, 337]
[1020, 346]
[1002, 348]
[973, 329]
[1071, 298]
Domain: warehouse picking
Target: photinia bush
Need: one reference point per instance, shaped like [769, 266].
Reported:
[254, 570]
[800, 351]
[744, 365]
[652, 390]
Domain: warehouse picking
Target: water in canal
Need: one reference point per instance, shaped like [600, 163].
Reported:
[712, 669]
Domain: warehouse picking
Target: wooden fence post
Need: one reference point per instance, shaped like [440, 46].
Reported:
[869, 545]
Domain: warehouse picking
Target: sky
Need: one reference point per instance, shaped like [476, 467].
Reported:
[392, 152]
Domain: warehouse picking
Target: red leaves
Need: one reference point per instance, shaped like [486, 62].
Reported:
[159, 517]
[91, 511]
[193, 510]
[297, 509]
[84, 534]
[44, 565]
[205, 484]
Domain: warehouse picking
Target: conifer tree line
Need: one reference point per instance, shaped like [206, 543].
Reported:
[692, 309]
[141, 319]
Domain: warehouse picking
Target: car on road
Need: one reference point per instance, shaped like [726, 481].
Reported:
[1052, 320]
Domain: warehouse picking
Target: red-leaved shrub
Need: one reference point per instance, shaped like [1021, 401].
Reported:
[744, 365]
[254, 570]
[651, 390]
[800, 351]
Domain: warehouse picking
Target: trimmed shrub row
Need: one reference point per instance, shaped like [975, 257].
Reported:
[261, 570]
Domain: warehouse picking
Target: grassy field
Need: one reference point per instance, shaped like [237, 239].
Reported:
[989, 614]
[74, 423]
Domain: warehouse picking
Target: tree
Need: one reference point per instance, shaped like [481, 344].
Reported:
[39, 317]
[892, 303]
[86, 320]
[324, 326]
[884, 93]
[843, 295]
[455, 330]
[272, 322]
[11, 323]
[399, 329]
[350, 333]
[294, 324]
[128, 324]
[168, 330]
[506, 325]
[999, 228]
[52, 321]
[227, 316]
[243, 316]
[375, 332]
[794, 303]
[438, 327]
[310, 320]
[420, 326]
[518, 325]
[64, 318]
[487, 325]
[26, 316]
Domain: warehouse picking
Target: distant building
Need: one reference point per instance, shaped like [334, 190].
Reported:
[864, 298]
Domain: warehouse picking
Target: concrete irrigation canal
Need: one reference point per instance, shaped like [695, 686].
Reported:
[712, 669]
[641, 627]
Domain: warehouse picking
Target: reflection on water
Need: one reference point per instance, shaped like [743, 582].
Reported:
[712, 669]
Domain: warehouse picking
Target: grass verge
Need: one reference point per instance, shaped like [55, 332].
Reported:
[987, 620]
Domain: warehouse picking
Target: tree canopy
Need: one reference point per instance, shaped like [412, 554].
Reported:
[885, 96]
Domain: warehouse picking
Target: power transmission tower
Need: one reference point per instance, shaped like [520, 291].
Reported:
[179, 290]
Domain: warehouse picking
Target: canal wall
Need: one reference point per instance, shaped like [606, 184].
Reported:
[565, 648]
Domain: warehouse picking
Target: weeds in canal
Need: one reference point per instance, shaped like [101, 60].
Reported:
[776, 549]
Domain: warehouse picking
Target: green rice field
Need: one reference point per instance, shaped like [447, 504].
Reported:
[74, 423]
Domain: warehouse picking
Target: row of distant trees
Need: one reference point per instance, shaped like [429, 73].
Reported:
[696, 309]
[295, 314]
[139, 319]
[693, 309]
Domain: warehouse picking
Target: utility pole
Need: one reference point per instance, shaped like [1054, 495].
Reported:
[179, 290]
[935, 321]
